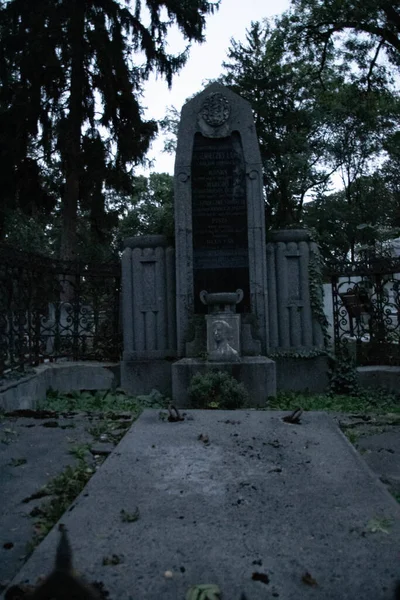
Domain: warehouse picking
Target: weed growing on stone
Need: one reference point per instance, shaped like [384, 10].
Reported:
[352, 435]
[9, 435]
[80, 451]
[107, 431]
[127, 517]
[379, 525]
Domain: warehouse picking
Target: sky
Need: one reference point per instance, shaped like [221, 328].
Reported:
[205, 62]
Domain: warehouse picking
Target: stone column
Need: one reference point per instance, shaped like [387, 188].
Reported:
[184, 253]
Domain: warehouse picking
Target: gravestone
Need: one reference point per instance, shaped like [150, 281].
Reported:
[220, 246]
[219, 210]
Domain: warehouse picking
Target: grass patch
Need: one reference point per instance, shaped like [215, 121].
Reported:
[366, 401]
[80, 451]
[104, 401]
[63, 488]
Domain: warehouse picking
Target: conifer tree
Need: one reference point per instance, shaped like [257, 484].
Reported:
[71, 77]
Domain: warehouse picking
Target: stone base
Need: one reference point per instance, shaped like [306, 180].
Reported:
[302, 374]
[141, 376]
[257, 373]
[379, 376]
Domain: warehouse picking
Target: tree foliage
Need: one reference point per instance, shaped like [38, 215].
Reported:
[289, 123]
[344, 228]
[307, 128]
[71, 76]
[152, 208]
[359, 31]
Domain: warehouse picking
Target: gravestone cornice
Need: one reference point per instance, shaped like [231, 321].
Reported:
[216, 112]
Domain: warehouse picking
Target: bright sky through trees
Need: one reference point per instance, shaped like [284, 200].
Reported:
[205, 60]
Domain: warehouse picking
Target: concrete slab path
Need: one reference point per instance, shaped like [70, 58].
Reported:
[224, 495]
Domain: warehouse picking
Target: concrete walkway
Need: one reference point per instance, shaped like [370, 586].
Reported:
[225, 495]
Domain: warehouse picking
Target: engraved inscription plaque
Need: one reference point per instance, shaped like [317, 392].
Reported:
[219, 213]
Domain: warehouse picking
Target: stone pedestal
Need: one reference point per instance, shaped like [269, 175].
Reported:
[257, 373]
[302, 374]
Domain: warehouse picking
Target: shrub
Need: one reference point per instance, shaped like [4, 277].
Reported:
[343, 373]
[217, 389]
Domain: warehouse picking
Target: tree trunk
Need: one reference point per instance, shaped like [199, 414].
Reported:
[97, 218]
[68, 249]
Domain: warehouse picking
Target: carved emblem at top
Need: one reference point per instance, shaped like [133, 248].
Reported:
[215, 110]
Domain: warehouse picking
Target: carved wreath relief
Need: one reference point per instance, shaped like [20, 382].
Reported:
[215, 110]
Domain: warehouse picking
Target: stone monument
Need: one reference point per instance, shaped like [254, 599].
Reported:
[220, 241]
[223, 298]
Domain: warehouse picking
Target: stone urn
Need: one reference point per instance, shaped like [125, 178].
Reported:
[221, 302]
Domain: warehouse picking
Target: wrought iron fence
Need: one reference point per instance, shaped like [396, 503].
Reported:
[52, 309]
[366, 310]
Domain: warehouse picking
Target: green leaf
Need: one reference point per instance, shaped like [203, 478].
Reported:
[206, 591]
[377, 525]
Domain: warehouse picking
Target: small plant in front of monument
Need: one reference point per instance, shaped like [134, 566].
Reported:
[217, 389]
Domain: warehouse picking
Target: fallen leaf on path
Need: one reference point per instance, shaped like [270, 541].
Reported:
[263, 577]
[308, 579]
[205, 591]
[379, 525]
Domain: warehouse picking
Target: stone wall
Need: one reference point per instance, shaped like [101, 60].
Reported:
[148, 313]
[148, 293]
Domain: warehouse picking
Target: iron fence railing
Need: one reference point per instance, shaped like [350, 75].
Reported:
[52, 309]
[366, 310]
